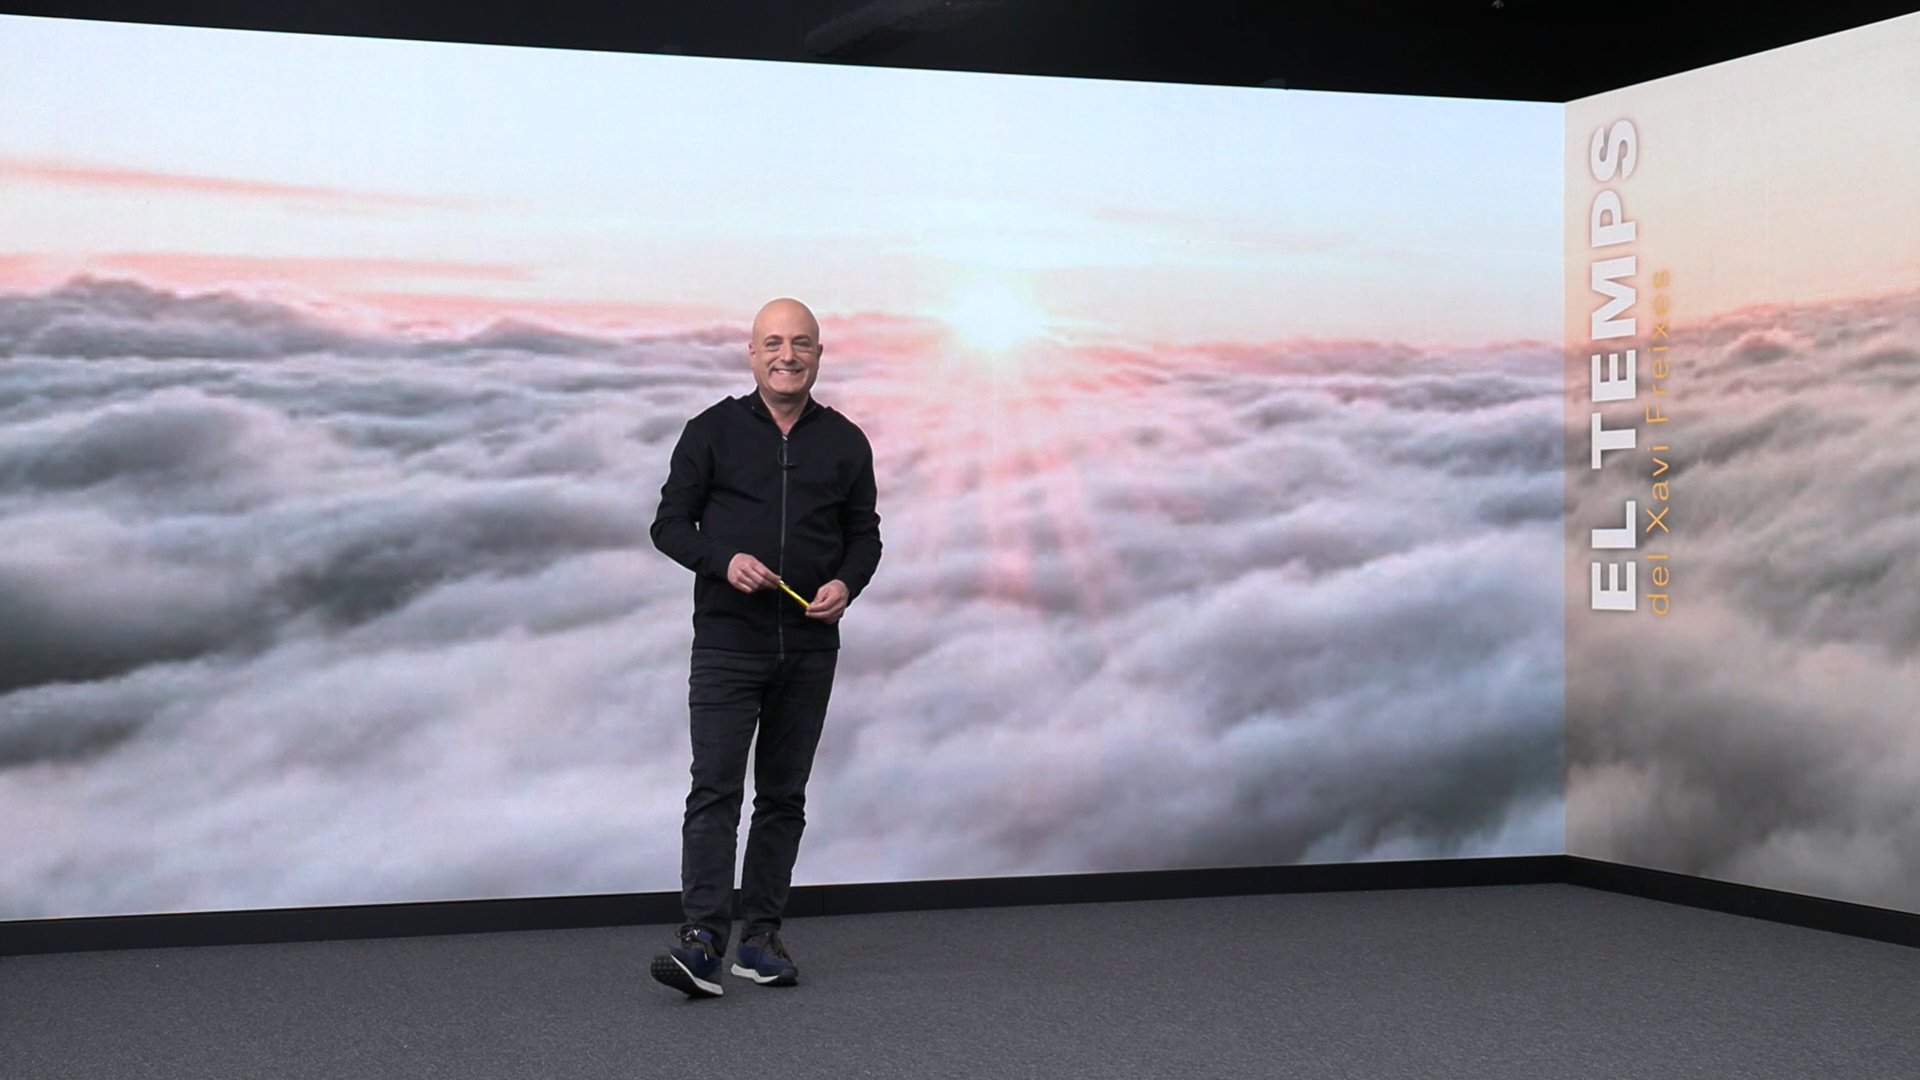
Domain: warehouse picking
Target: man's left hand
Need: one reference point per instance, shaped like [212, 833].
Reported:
[829, 603]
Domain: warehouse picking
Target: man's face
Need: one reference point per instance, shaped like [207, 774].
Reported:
[785, 351]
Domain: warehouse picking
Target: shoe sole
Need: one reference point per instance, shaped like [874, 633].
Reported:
[675, 974]
[766, 980]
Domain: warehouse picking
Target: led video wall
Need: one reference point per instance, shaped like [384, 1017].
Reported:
[1743, 339]
[1218, 435]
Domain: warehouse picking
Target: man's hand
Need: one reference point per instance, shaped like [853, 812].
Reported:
[829, 603]
[749, 574]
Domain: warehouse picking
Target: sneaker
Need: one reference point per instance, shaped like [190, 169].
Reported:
[765, 961]
[692, 966]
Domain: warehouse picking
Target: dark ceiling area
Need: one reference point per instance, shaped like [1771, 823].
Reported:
[1541, 50]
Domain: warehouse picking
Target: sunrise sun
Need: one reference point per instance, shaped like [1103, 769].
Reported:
[997, 323]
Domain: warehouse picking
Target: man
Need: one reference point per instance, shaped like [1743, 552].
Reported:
[766, 492]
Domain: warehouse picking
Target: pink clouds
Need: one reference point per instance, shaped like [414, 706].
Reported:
[25, 272]
[880, 335]
[157, 182]
[460, 311]
[437, 295]
[199, 270]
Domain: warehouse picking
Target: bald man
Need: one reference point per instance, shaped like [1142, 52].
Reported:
[766, 492]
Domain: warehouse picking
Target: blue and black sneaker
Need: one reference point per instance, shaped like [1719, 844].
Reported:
[764, 960]
[692, 966]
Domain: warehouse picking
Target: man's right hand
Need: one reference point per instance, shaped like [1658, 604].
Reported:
[749, 574]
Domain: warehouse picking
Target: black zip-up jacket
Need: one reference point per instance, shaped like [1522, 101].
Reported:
[802, 503]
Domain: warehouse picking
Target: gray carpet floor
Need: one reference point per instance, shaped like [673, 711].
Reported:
[1529, 982]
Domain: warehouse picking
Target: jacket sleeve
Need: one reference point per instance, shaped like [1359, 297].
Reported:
[861, 522]
[683, 499]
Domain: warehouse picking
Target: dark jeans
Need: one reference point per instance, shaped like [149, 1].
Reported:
[730, 694]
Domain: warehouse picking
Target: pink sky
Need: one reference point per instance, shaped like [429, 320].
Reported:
[649, 194]
[1785, 178]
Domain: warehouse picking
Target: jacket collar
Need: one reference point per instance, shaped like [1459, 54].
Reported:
[752, 400]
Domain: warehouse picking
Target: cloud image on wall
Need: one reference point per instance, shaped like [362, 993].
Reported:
[1762, 733]
[1758, 731]
[295, 616]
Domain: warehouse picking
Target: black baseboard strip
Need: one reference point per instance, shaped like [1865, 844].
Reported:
[1840, 917]
[1171, 884]
[575, 912]
[262, 927]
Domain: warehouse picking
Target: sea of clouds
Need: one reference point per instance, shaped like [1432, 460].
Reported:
[1764, 731]
[296, 615]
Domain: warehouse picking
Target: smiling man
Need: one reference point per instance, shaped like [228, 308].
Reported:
[767, 492]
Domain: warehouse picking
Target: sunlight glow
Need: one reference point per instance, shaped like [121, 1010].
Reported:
[996, 323]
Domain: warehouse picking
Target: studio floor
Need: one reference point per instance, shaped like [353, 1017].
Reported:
[1532, 981]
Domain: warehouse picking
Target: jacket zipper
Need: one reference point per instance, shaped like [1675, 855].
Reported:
[780, 610]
